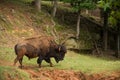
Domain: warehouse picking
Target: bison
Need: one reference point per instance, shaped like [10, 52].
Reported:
[43, 47]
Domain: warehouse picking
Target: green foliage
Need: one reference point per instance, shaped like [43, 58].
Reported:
[105, 4]
[112, 21]
[81, 4]
[115, 13]
[112, 7]
[114, 18]
[19, 1]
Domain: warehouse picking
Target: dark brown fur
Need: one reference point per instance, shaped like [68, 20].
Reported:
[43, 47]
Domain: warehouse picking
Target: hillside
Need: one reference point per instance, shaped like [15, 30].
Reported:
[20, 20]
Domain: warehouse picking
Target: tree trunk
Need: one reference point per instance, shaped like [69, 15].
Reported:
[54, 8]
[118, 46]
[78, 25]
[105, 38]
[38, 5]
[118, 41]
[105, 32]
[87, 12]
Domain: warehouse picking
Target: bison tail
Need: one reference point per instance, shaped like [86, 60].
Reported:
[15, 48]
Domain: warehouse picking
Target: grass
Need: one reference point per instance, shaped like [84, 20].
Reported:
[7, 54]
[72, 61]
[89, 64]
[11, 73]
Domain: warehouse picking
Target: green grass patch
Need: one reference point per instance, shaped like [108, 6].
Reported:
[88, 64]
[80, 62]
[72, 61]
[7, 54]
[11, 73]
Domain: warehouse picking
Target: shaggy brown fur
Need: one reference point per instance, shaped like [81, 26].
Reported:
[43, 47]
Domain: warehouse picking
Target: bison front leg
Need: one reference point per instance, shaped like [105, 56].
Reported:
[39, 61]
[49, 61]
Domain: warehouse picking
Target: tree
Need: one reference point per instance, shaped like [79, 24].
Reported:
[111, 9]
[114, 20]
[38, 5]
[55, 4]
[105, 7]
[78, 5]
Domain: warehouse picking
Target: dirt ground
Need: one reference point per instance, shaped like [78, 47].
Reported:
[55, 74]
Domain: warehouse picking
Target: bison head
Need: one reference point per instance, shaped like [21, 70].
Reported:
[60, 53]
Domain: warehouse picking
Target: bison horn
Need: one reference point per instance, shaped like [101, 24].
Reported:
[59, 48]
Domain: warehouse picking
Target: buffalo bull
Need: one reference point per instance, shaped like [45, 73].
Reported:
[43, 47]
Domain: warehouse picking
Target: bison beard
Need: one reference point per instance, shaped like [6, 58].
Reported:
[43, 47]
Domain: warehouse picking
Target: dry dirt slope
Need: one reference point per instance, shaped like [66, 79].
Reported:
[54, 74]
[18, 21]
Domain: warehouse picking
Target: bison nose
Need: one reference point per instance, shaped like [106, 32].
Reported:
[62, 59]
[57, 61]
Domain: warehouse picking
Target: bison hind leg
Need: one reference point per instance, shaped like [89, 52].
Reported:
[18, 59]
[15, 61]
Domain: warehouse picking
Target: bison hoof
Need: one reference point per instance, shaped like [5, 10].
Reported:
[21, 67]
[39, 66]
[51, 65]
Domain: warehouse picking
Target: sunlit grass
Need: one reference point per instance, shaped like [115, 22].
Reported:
[88, 63]
[12, 73]
[7, 54]
[84, 63]
[72, 61]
